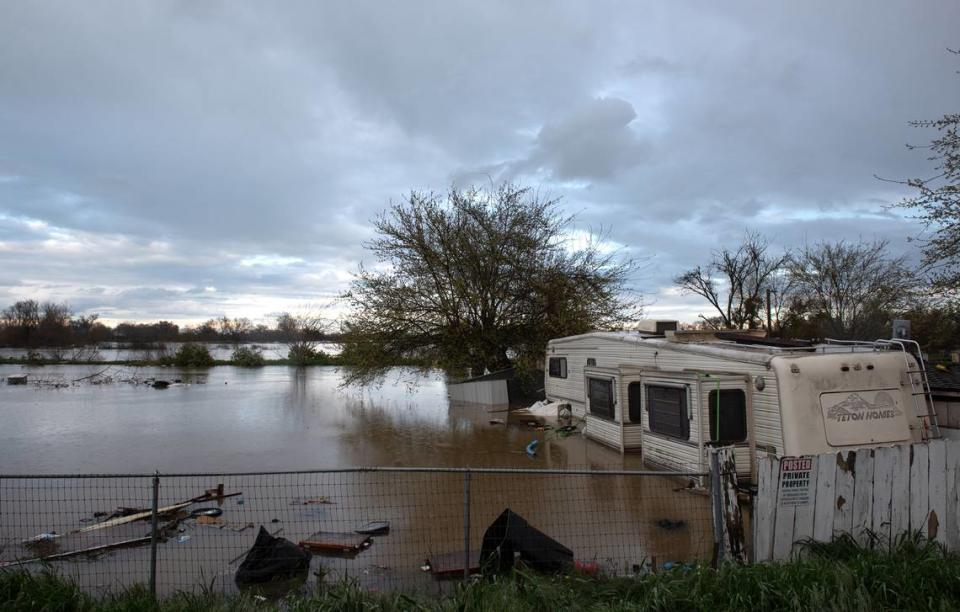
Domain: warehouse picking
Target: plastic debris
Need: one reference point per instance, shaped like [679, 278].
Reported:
[670, 525]
[272, 559]
[44, 537]
[511, 536]
[374, 528]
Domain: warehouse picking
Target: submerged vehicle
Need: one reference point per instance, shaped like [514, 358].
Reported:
[671, 395]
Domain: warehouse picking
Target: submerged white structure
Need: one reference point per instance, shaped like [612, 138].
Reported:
[670, 395]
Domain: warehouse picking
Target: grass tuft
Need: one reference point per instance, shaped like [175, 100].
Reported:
[911, 574]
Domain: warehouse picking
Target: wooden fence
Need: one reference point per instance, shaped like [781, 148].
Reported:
[871, 493]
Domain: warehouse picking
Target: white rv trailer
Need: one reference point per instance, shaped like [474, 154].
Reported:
[672, 395]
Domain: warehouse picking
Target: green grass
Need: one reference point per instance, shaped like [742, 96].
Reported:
[916, 575]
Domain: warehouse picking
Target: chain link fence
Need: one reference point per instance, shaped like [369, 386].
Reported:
[414, 529]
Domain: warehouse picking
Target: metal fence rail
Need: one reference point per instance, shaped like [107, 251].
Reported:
[110, 531]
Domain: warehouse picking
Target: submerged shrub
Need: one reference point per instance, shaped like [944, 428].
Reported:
[304, 354]
[247, 356]
[193, 356]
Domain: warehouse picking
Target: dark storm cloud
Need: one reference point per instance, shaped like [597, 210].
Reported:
[201, 158]
[595, 142]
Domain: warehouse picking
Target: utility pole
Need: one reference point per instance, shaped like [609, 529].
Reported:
[769, 327]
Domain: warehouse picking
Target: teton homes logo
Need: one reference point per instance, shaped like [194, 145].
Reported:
[855, 408]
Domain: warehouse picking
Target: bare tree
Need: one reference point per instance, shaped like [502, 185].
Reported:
[235, 330]
[937, 202]
[735, 282]
[850, 291]
[302, 333]
[20, 322]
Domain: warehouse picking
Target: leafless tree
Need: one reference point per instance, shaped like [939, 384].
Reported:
[235, 330]
[850, 290]
[735, 282]
[302, 333]
[937, 202]
[20, 323]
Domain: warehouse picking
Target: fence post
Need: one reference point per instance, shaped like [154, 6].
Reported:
[716, 499]
[466, 524]
[154, 535]
[728, 520]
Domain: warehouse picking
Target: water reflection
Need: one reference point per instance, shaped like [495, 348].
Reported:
[272, 418]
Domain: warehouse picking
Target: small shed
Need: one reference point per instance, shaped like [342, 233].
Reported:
[491, 391]
[944, 379]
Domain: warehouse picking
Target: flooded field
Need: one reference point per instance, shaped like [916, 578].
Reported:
[259, 419]
[283, 419]
[111, 351]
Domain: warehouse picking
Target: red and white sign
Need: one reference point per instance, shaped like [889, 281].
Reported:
[794, 487]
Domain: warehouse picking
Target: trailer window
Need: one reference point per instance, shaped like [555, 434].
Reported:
[731, 425]
[667, 411]
[634, 391]
[558, 367]
[600, 392]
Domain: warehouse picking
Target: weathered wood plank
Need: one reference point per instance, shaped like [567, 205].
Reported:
[953, 413]
[804, 515]
[764, 509]
[843, 508]
[900, 492]
[825, 502]
[863, 496]
[734, 545]
[937, 497]
[953, 495]
[886, 490]
[883, 462]
[919, 487]
[783, 533]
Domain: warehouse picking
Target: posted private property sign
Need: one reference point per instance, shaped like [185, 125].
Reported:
[795, 482]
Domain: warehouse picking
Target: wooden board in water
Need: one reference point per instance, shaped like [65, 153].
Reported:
[446, 564]
[335, 541]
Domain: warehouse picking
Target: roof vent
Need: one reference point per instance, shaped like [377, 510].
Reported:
[656, 326]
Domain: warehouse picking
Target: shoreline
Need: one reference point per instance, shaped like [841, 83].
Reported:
[329, 361]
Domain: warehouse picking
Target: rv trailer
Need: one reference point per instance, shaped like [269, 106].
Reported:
[672, 395]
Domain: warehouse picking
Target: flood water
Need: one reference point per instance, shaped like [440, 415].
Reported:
[277, 418]
[257, 419]
[112, 351]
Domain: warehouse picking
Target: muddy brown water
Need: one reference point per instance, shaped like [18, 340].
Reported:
[230, 420]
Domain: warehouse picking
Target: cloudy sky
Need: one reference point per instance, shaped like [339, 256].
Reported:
[183, 160]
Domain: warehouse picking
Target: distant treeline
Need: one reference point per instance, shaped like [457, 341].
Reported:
[29, 323]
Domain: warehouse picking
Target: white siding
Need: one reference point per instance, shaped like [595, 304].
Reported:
[667, 451]
[741, 451]
[603, 431]
[631, 357]
[491, 393]
[632, 437]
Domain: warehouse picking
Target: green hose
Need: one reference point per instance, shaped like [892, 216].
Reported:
[718, 411]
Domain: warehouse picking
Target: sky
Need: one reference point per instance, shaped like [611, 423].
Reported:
[184, 160]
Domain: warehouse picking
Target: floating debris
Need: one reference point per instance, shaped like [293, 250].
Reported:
[334, 541]
[376, 528]
[670, 525]
[310, 502]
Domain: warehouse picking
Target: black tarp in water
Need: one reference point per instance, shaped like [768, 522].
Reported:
[272, 559]
[511, 534]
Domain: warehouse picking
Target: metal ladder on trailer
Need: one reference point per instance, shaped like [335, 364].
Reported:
[918, 388]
